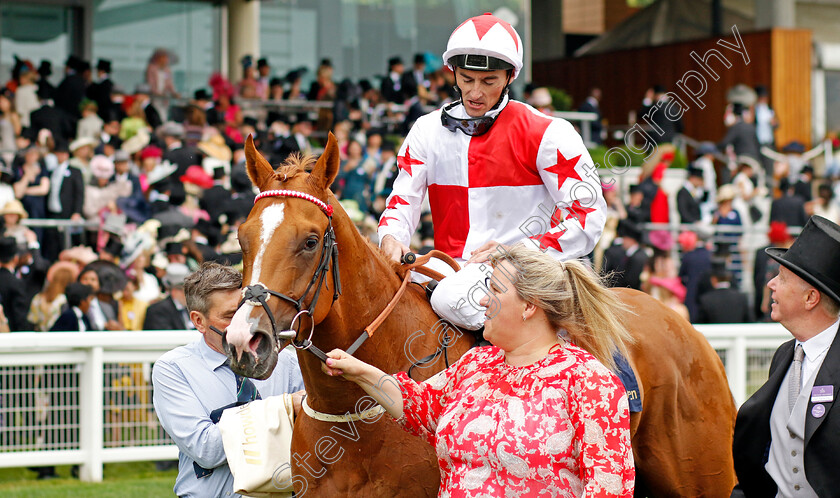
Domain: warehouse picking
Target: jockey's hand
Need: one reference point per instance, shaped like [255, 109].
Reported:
[393, 248]
[345, 365]
[483, 253]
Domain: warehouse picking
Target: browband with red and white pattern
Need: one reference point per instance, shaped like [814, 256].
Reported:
[326, 208]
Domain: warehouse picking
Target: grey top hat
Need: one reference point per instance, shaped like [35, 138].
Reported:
[813, 256]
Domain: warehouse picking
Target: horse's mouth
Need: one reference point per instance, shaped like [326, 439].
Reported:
[258, 361]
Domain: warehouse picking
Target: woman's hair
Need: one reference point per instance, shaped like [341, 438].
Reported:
[572, 297]
[60, 280]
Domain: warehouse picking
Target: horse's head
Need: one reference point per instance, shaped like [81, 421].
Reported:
[287, 249]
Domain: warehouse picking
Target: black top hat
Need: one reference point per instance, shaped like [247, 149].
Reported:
[263, 62]
[61, 145]
[104, 65]
[393, 61]
[627, 228]
[173, 248]
[692, 171]
[813, 256]
[420, 58]
[74, 63]
[202, 94]
[45, 69]
[326, 62]
[8, 248]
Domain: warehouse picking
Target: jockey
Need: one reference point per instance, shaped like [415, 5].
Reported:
[497, 171]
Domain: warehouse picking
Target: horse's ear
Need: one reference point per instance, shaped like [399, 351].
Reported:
[326, 169]
[259, 171]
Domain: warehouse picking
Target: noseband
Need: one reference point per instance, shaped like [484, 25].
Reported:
[258, 294]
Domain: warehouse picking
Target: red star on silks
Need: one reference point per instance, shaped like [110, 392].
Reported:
[384, 221]
[484, 23]
[396, 201]
[405, 162]
[578, 211]
[565, 168]
[550, 240]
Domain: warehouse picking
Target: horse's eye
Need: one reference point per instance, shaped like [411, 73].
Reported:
[311, 243]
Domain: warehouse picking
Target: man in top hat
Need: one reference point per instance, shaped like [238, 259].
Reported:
[65, 200]
[100, 91]
[172, 134]
[298, 139]
[690, 196]
[12, 295]
[263, 77]
[626, 258]
[45, 88]
[393, 88]
[787, 435]
[72, 88]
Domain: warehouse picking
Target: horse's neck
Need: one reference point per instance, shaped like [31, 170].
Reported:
[368, 284]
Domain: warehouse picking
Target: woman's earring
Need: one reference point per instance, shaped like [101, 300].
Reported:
[523, 318]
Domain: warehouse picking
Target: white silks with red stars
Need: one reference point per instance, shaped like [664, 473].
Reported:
[529, 178]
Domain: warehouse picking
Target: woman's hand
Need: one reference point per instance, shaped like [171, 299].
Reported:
[341, 363]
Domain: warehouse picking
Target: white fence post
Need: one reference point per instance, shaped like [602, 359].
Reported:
[736, 371]
[90, 415]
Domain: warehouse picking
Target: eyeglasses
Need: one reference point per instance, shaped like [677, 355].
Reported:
[473, 127]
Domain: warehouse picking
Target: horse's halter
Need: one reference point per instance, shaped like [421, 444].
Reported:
[258, 294]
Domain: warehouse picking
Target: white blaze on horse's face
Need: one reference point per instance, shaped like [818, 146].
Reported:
[242, 325]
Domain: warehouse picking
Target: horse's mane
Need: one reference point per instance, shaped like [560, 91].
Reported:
[294, 164]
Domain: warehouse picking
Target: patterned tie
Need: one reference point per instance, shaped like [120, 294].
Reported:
[246, 392]
[795, 384]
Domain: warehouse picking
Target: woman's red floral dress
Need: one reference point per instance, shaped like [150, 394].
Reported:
[558, 427]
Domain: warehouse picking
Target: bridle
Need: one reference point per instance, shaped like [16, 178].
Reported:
[258, 294]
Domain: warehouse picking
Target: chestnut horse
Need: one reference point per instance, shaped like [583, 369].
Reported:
[293, 279]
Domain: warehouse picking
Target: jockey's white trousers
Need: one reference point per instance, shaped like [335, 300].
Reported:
[456, 297]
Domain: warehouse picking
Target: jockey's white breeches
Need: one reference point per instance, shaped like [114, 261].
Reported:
[456, 297]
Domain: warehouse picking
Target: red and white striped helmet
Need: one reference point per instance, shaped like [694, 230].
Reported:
[482, 39]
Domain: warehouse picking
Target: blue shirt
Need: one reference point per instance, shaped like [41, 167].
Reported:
[190, 382]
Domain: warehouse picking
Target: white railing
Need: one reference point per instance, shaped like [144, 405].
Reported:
[746, 351]
[57, 407]
[85, 398]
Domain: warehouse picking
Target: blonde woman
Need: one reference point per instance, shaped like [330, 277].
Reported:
[539, 411]
[47, 305]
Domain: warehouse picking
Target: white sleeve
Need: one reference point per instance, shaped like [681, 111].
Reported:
[404, 205]
[572, 180]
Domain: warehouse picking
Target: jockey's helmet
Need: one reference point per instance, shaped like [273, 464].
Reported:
[484, 43]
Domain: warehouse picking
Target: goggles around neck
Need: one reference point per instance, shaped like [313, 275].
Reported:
[473, 127]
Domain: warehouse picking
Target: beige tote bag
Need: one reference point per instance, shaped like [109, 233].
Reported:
[258, 441]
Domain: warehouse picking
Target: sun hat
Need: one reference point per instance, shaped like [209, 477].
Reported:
[14, 206]
[672, 284]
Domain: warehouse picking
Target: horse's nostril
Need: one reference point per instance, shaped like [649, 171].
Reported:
[254, 343]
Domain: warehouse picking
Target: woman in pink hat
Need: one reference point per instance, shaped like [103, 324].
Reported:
[671, 292]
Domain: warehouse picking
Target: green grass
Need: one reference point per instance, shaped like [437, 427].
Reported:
[122, 480]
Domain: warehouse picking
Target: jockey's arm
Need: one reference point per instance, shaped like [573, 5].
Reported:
[405, 204]
[572, 180]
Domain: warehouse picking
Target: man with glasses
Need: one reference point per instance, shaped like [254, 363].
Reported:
[496, 171]
[193, 384]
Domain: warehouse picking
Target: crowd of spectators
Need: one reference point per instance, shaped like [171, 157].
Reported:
[133, 182]
[738, 196]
